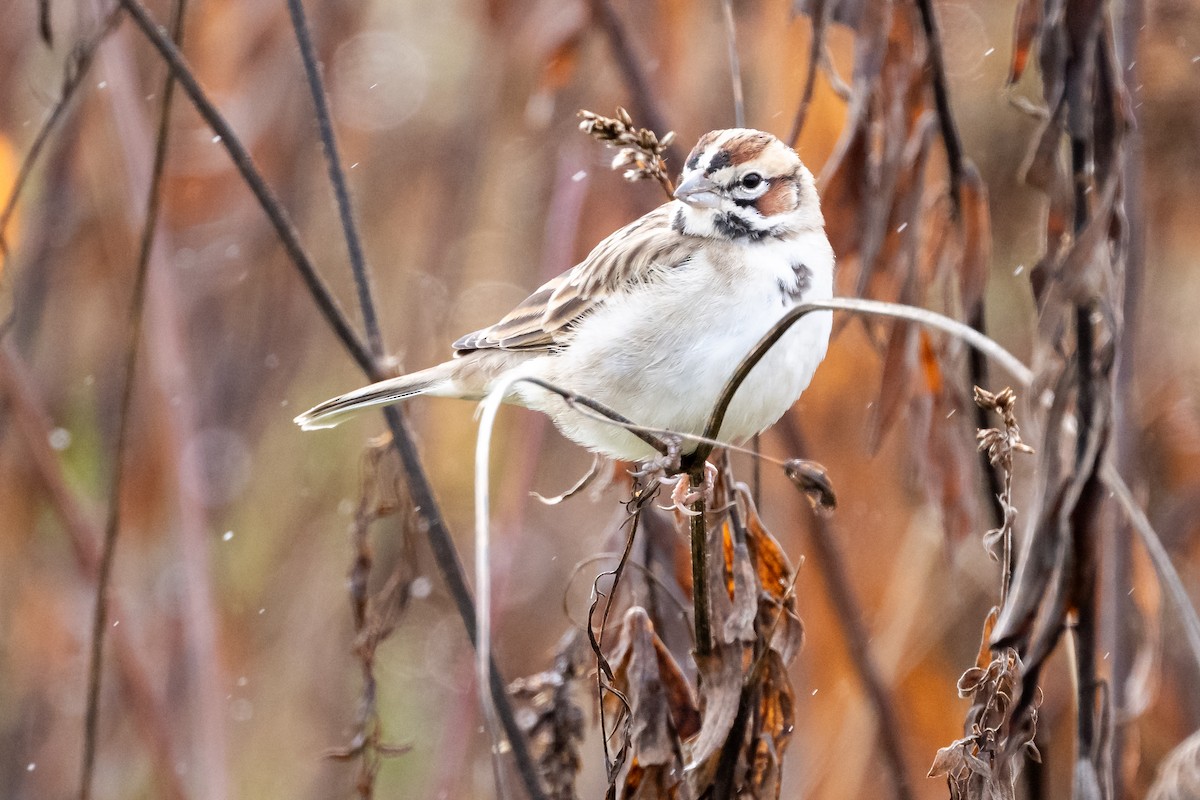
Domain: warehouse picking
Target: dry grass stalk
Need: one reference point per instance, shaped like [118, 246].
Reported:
[1000, 446]
[984, 764]
[375, 614]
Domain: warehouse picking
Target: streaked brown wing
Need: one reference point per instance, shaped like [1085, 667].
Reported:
[629, 256]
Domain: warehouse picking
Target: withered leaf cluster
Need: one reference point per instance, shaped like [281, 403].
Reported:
[985, 762]
[716, 724]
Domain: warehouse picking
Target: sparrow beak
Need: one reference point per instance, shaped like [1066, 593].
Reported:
[698, 192]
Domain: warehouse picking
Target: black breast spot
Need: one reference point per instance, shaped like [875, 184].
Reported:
[802, 284]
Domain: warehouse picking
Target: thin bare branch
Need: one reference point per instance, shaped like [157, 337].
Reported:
[280, 219]
[941, 99]
[820, 21]
[337, 178]
[876, 307]
[132, 348]
[440, 540]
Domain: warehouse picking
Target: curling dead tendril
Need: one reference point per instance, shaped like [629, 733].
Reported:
[640, 152]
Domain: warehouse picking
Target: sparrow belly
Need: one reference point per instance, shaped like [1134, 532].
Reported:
[661, 356]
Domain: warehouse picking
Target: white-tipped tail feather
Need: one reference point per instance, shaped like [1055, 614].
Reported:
[334, 411]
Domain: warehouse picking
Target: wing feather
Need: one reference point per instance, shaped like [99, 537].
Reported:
[629, 256]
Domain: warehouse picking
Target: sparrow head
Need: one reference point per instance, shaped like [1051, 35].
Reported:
[745, 184]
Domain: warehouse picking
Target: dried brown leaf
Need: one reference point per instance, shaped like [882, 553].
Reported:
[896, 383]
[1026, 23]
[977, 238]
[637, 675]
[721, 688]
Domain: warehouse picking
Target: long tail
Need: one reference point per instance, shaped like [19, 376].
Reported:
[335, 410]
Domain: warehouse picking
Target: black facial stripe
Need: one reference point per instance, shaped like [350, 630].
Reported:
[721, 160]
[694, 161]
[744, 202]
[677, 223]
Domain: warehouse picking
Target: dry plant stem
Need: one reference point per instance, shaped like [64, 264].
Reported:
[113, 522]
[976, 364]
[369, 727]
[876, 307]
[820, 20]
[1023, 375]
[954, 160]
[735, 68]
[420, 490]
[603, 669]
[284, 227]
[1118, 563]
[644, 103]
[150, 717]
[82, 57]
[941, 99]
[337, 178]
[832, 566]
[699, 533]
[483, 574]
[655, 441]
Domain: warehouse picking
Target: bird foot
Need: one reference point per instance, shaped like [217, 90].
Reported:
[683, 496]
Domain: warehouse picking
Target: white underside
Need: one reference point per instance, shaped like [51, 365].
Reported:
[667, 372]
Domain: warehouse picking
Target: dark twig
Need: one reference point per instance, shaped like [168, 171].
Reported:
[44, 28]
[941, 98]
[574, 399]
[368, 747]
[337, 177]
[645, 105]
[955, 160]
[820, 20]
[80, 63]
[421, 492]
[113, 522]
[642, 494]
[284, 227]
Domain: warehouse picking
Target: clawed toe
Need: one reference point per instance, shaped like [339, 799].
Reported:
[683, 496]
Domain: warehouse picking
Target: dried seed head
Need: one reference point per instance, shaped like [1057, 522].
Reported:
[640, 149]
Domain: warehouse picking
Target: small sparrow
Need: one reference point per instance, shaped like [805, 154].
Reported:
[655, 320]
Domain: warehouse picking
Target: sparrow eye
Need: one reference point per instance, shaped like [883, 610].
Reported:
[751, 180]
